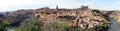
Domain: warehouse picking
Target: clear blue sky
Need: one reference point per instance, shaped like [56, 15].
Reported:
[12, 5]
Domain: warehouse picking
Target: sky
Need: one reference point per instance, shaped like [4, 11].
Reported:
[13, 5]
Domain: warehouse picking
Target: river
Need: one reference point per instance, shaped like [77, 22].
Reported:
[113, 26]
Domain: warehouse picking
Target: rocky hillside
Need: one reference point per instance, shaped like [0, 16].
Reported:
[80, 19]
[116, 16]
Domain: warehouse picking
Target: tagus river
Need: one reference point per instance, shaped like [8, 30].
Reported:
[113, 26]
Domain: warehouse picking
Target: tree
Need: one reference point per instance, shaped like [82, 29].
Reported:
[3, 25]
[63, 27]
[30, 24]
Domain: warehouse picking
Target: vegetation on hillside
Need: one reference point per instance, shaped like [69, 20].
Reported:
[3, 25]
[55, 20]
[30, 24]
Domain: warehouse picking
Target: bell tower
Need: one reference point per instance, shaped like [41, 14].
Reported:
[57, 7]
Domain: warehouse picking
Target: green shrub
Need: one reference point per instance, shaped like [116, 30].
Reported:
[3, 25]
[30, 24]
[63, 27]
[102, 27]
[67, 17]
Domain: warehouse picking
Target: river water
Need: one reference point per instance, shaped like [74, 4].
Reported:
[113, 26]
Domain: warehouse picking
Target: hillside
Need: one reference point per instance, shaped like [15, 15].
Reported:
[80, 19]
[116, 16]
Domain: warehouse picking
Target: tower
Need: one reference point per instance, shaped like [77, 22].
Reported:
[57, 7]
[84, 7]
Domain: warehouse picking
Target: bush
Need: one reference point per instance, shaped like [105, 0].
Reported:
[29, 24]
[63, 27]
[3, 25]
[102, 27]
[67, 17]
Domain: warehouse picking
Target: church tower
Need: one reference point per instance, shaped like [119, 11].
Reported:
[57, 7]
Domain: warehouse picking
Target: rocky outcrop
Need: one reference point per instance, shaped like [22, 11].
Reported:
[116, 16]
[74, 18]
